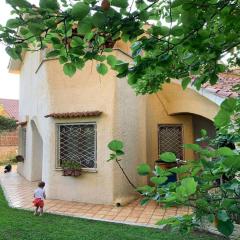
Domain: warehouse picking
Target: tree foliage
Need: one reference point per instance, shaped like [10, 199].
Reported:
[7, 124]
[169, 39]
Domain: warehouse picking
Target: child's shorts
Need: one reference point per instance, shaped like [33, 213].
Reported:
[38, 202]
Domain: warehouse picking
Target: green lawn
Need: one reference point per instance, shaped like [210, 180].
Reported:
[22, 225]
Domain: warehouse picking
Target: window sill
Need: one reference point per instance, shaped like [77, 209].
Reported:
[89, 170]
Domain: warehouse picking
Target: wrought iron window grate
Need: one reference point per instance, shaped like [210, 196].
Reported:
[170, 139]
[77, 142]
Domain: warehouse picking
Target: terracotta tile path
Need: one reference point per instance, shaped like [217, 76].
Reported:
[19, 191]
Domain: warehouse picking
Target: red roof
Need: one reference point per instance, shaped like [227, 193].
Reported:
[11, 107]
[226, 82]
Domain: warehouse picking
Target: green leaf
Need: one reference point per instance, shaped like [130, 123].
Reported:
[132, 78]
[177, 3]
[145, 189]
[13, 23]
[36, 28]
[102, 68]
[12, 53]
[115, 145]
[120, 3]
[226, 227]
[53, 53]
[121, 67]
[49, 4]
[194, 147]
[77, 42]
[80, 11]
[55, 40]
[203, 133]
[99, 19]
[143, 169]
[69, 69]
[225, 151]
[185, 82]
[180, 170]
[100, 40]
[177, 31]
[88, 36]
[100, 58]
[229, 105]
[161, 172]
[85, 26]
[168, 157]
[24, 31]
[211, 218]
[120, 152]
[144, 201]
[19, 3]
[222, 118]
[111, 60]
[222, 215]
[112, 157]
[189, 185]
[62, 59]
[158, 180]
[79, 63]
[232, 162]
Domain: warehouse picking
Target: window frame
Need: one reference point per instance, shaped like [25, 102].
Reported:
[57, 141]
[171, 125]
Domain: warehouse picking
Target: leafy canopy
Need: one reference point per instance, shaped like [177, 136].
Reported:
[169, 39]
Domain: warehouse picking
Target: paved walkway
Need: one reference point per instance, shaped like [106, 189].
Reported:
[19, 193]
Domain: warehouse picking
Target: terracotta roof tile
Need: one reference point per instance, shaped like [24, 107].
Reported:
[11, 107]
[74, 114]
[226, 82]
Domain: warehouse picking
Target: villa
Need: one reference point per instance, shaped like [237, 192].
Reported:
[64, 118]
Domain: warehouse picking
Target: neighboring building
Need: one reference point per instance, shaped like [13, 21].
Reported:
[66, 118]
[8, 140]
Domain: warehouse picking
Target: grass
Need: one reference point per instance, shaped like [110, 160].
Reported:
[16, 224]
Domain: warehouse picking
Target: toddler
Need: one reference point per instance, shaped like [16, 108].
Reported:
[39, 196]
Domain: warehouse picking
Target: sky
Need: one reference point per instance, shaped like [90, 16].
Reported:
[9, 83]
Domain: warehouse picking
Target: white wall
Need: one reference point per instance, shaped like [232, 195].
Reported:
[33, 105]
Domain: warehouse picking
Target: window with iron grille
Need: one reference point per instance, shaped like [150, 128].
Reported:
[23, 141]
[170, 139]
[77, 142]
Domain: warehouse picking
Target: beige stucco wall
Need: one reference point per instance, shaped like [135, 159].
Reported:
[49, 90]
[173, 105]
[86, 91]
[177, 101]
[129, 125]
